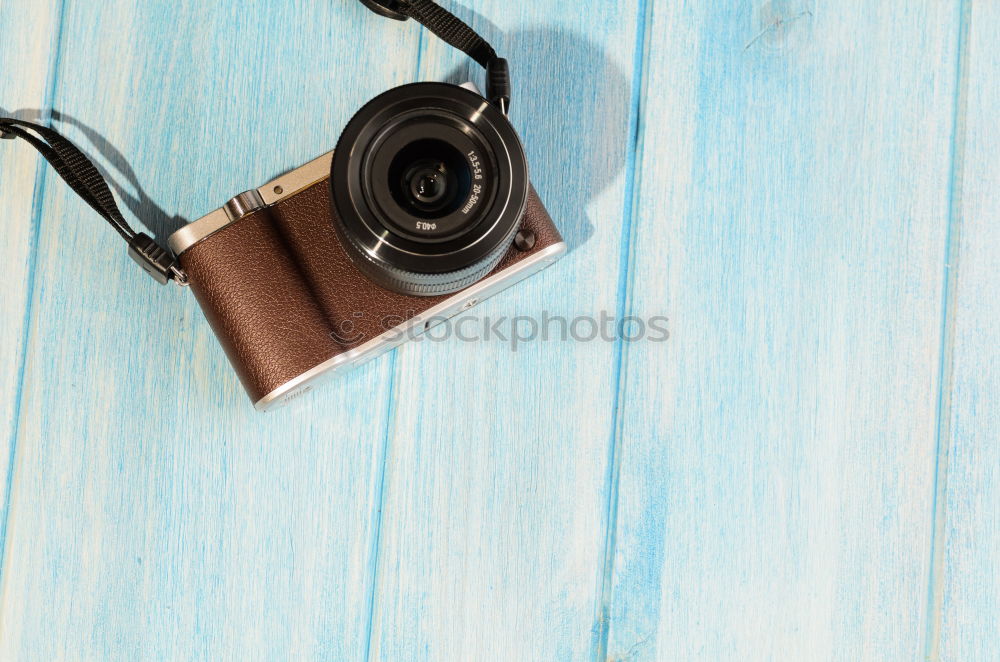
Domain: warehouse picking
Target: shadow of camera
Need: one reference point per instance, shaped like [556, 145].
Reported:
[571, 108]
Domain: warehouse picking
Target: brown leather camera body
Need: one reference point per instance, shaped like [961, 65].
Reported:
[288, 305]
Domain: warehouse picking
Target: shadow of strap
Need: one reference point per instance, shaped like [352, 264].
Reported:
[84, 178]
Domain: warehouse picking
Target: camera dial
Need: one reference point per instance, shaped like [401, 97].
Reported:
[429, 183]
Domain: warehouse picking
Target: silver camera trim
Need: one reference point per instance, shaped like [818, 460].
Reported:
[294, 182]
[274, 191]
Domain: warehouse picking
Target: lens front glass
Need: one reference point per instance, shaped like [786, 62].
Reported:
[430, 179]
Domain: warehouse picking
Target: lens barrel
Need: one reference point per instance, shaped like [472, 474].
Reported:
[429, 183]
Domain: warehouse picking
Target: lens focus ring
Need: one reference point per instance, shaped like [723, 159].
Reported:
[407, 282]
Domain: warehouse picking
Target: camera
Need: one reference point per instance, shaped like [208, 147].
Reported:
[423, 210]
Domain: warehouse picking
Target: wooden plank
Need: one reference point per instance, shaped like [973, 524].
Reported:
[777, 454]
[155, 515]
[493, 523]
[27, 47]
[966, 580]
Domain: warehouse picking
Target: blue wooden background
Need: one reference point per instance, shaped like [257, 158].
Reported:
[807, 470]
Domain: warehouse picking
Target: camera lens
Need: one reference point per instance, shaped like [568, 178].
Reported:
[429, 184]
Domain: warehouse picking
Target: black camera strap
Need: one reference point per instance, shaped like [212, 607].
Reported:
[83, 177]
[457, 33]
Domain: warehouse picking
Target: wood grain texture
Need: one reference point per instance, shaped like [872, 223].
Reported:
[806, 470]
[155, 515]
[776, 457]
[29, 47]
[496, 474]
[968, 582]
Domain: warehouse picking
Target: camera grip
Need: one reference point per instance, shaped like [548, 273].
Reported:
[258, 304]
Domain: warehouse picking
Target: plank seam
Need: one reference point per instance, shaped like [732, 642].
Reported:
[41, 177]
[935, 580]
[387, 434]
[379, 501]
[632, 185]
